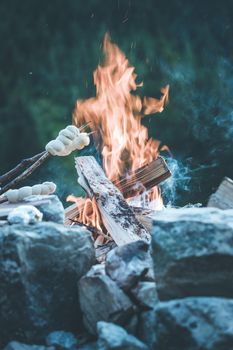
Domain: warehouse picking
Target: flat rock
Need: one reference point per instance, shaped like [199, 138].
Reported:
[39, 268]
[102, 300]
[51, 207]
[194, 323]
[112, 336]
[14, 345]
[193, 252]
[127, 264]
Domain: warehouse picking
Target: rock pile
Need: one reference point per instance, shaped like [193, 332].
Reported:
[175, 294]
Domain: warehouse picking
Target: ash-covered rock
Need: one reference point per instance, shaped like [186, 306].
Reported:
[194, 324]
[128, 264]
[102, 300]
[39, 268]
[50, 206]
[111, 336]
[25, 214]
[193, 252]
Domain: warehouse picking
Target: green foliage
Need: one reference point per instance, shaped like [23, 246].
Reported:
[50, 49]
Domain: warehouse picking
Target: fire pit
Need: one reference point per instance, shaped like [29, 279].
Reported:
[116, 269]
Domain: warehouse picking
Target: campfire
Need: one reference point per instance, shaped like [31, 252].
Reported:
[131, 162]
[122, 193]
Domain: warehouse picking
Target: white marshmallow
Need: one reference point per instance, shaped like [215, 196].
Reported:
[68, 140]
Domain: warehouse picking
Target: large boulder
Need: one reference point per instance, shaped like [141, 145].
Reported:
[112, 336]
[39, 268]
[193, 323]
[102, 300]
[193, 252]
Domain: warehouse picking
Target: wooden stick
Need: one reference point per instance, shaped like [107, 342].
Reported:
[90, 228]
[117, 216]
[20, 167]
[34, 161]
[26, 173]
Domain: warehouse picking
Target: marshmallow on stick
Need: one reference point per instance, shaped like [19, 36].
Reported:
[68, 140]
[14, 196]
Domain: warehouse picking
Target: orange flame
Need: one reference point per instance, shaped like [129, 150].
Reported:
[116, 113]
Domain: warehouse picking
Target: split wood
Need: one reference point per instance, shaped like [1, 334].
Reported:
[146, 177]
[117, 216]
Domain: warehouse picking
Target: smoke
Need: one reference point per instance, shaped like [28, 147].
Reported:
[177, 190]
[179, 182]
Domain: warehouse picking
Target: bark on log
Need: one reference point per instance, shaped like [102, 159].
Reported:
[118, 217]
[146, 177]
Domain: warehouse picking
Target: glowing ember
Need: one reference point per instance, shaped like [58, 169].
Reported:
[116, 114]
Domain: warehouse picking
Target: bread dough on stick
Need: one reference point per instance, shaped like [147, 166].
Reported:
[67, 141]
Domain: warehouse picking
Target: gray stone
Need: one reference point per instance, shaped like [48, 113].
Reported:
[146, 329]
[193, 252]
[101, 299]
[145, 294]
[89, 346]
[14, 345]
[51, 207]
[194, 323]
[62, 340]
[127, 264]
[39, 268]
[111, 336]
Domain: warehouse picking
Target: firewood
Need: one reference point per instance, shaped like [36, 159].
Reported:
[143, 178]
[223, 197]
[143, 215]
[117, 216]
[147, 176]
[102, 250]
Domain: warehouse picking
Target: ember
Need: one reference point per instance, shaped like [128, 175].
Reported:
[116, 114]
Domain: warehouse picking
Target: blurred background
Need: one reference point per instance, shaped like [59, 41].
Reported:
[49, 50]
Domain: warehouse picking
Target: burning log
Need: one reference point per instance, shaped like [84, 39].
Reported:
[223, 197]
[141, 180]
[144, 178]
[117, 216]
